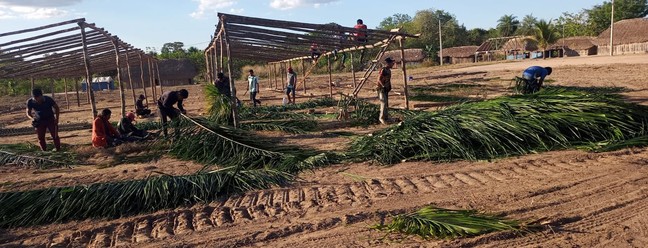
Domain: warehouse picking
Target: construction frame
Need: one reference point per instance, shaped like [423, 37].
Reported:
[73, 49]
[277, 42]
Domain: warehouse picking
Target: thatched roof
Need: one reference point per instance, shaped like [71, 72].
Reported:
[411, 55]
[626, 32]
[177, 69]
[459, 52]
[575, 43]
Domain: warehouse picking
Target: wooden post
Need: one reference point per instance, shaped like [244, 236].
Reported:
[284, 75]
[328, 62]
[151, 79]
[142, 76]
[208, 66]
[353, 70]
[86, 60]
[67, 99]
[52, 88]
[221, 54]
[76, 88]
[215, 64]
[403, 64]
[303, 67]
[130, 79]
[157, 68]
[274, 69]
[119, 77]
[32, 84]
[229, 73]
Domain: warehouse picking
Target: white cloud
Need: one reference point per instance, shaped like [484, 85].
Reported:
[291, 4]
[236, 11]
[211, 6]
[34, 9]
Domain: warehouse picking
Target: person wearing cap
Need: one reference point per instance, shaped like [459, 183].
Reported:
[104, 135]
[45, 117]
[253, 87]
[383, 88]
[127, 130]
[535, 76]
[165, 106]
[291, 85]
[140, 108]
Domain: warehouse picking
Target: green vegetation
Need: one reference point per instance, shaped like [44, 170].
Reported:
[30, 155]
[432, 222]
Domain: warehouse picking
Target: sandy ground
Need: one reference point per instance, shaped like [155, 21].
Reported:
[583, 199]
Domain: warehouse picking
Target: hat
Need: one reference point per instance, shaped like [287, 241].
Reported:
[130, 116]
[290, 69]
[389, 60]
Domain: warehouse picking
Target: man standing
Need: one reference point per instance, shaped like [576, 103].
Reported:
[165, 106]
[291, 85]
[45, 117]
[383, 87]
[535, 76]
[253, 87]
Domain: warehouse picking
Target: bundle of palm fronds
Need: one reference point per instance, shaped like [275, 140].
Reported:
[431, 222]
[117, 199]
[523, 86]
[287, 126]
[505, 126]
[219, 109]
[285, 111]
[29, 155]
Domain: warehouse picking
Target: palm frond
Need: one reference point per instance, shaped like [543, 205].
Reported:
[432, 222]
[29, 155]
[117, 199]
[506, 126]
[287, 126]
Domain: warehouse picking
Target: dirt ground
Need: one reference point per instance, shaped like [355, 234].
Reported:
[582, 199]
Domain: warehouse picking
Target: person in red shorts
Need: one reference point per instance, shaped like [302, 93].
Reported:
[45, 117]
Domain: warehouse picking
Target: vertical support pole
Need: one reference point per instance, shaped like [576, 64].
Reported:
[76, 88]
[440, 43]
[353, 71]
[403, 65]
[67, 98]
[157, 68]
[229, 72]
[52, 87]
[303, 68]
[119, 77]
[142, 77]
[274, 69]
[151, 79]
[32, 83]
[222, 60]
[86, 60]
[130, 79]
[612, 30]
[328, 62]
[215, 64]
[208, 66]
[284, 75]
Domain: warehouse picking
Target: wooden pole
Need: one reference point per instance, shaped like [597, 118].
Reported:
[142, 76]
[328, 62]
[284, 75]
[52, 88]
[32, 83]
[157, 68]
[67, 99]
[440, 43]
[151, 79]
[612, 30]
[130, 79]
[303, 67]
[215, 64]
[86, 60]
[208, 67]
[229, 73]
[274, 69]
[222, 60]
[353, 71]
[76, 88]
[403, 65]
[119, 77]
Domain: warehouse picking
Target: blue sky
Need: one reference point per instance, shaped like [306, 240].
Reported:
[151, 23]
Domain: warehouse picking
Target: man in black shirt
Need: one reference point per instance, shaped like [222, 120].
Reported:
[165, 106]
[223, 84]
[140, 108]
[45, 117]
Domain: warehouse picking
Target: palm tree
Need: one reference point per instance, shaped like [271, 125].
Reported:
[545, 34]
[527, 26]
[507, 25]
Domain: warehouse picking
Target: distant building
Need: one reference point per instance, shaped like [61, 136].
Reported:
[513, 47]
[99, 84]
[630, 36]
[576, 46]
[458, 55]
[177, 72]
[411, 55]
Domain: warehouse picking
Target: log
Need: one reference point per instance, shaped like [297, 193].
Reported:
[86, 59]
[142, 77]
[403, 65]
[75, 21]
[121, 81]
[229, 72]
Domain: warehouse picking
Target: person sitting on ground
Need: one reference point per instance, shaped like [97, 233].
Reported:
[140, 108]
[535, 76]
[103, 134]
[128, 130]
[253, 88]
[45, 117]
[166, 109]
[291, 85]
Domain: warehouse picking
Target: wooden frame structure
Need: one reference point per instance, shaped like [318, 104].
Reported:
[72, 49]
[280, 43]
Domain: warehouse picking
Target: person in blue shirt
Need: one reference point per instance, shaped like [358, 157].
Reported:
[535, 76]
[253, 88]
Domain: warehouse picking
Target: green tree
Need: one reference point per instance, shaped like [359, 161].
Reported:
[545, 34]
[173, 50]
[395, 21]
[426, 23]
[477, 36]
[599, 15]
[575, 24]
[527, 26]
[507, 25]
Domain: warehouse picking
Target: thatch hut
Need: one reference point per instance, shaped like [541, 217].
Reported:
[458, 55]
[177, 72]
[520, 47]
[414, 55]
[576, 46]
[630, 36]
